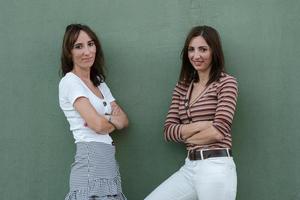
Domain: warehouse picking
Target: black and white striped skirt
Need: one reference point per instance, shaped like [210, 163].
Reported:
[95, 173]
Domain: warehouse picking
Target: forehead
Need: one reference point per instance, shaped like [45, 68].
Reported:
[83, 37]
[198, 41]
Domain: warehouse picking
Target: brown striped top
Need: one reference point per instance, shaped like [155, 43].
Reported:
[216, 103]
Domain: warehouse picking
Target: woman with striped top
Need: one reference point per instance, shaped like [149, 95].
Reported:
[200, 115]
[93, 114]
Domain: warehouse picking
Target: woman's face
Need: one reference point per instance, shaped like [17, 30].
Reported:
[200, 54]
[84, 51]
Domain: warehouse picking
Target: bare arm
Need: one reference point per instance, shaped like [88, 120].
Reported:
[118, 117]
[206, 136]
[189, 130]
[93, 120]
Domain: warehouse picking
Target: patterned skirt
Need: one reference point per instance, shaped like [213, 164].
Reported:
[95, 173]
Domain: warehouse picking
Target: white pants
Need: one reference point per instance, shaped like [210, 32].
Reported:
[209, 179]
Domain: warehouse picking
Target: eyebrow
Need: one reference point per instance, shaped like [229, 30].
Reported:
[82, 43]
[206, 47]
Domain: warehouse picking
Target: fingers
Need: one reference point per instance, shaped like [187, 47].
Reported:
[116, 110]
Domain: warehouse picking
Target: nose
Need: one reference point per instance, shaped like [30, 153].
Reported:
[86, 50]
[197, 55]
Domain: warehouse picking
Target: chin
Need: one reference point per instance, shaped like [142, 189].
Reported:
[199, 68]
[88, 65]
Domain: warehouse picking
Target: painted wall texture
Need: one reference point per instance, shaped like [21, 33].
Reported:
[142, 41]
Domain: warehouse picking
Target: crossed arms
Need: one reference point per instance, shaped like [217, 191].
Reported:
[101, 124]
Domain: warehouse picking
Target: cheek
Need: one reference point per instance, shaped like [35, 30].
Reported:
[94, 50]
[190, 56]
[208, 57]
[74, 55]
[93, 54]
[75, 58]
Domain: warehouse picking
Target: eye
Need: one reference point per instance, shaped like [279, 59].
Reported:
[190, 49]
[77, 46]
[91, 44]
[202, 49]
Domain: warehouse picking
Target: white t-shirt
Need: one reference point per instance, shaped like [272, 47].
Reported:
[70, 88]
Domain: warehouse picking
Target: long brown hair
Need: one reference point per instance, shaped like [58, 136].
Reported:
[71, 35]
[212, 38]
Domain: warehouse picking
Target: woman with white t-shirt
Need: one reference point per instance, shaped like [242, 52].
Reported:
[93, 114]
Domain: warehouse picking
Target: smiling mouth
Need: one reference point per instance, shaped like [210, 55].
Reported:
[87, 59]
[198, 63]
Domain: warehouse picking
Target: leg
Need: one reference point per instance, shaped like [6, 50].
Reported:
[216, 179]
[177, 187]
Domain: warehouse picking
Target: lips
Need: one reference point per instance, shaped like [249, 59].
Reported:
[198, 63]
[88, 59]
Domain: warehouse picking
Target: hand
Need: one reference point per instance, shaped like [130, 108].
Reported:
[189, 130]
[116, 120]
[194, 139]
[115, 109]
[205, 126]
[207, 136]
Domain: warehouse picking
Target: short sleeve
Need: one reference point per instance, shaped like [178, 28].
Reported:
[71, 90]
[106, 92]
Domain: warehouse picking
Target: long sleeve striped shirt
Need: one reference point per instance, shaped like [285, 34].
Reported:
[216, 103]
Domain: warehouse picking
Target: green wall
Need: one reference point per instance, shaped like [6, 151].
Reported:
[142, 42]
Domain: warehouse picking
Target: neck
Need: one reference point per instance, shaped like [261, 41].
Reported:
[83, 74]
[203, 77]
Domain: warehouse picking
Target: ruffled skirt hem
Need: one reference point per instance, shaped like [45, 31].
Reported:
[99, 189]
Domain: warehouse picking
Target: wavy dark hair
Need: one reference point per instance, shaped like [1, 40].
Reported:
[212, 38]
[71, 35]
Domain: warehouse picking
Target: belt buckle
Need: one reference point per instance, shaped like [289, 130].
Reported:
[192, 155]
